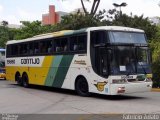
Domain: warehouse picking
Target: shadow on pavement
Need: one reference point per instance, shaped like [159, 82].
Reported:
[72, 92]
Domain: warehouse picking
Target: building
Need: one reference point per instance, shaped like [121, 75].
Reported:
[52, 17]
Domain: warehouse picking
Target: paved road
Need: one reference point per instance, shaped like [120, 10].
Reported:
[35, 100]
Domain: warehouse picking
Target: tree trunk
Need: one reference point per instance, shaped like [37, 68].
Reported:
[84, 9]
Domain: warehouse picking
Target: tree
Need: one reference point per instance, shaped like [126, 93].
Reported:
[79, 20]
[118, 19]
[4, 36]
[155, 48]
[4, 23]
[29, 29]
[94, 7]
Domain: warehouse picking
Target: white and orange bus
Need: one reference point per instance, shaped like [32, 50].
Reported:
[108, 60]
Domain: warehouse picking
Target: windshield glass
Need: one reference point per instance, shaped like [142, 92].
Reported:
[125, 60]
[143, 60]
[127, 37]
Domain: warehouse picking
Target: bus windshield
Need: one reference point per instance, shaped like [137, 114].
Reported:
[122, 53]
[127, 37]
[130, 60]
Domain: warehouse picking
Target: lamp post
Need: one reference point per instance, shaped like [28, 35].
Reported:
[120, 5]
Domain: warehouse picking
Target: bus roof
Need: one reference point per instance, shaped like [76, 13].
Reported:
[71, 32]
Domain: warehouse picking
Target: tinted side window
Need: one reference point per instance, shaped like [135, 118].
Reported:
[8, 51]
[43, 47]
[14, 50]
[61, 44]
[82, 42]
[98, 37]
[78, 43]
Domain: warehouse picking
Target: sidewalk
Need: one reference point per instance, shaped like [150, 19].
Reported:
[155, 90]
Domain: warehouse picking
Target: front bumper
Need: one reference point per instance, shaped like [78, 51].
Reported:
[117, 89]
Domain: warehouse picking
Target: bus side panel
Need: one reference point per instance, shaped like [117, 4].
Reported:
[11, 72]
[58, 71]
[38, 75]
[53, 70]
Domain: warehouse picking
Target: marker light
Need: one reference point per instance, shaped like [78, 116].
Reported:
[121, 90]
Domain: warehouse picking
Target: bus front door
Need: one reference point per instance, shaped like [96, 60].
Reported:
[102, 61]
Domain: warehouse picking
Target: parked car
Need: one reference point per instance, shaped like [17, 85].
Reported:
[2, 70]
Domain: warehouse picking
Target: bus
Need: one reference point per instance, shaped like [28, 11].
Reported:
[2, 70]
[109, 60]
[2, 64]
[2, 54]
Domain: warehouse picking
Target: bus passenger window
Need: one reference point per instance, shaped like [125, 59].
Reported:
[30, 48]
[15, 50]
[75, 47]
[57, 45]
[82, 40]
[19, 49]
[73, 43]
[61, 44]
[58, 49]
[98, 37]
[64, 44]
[24, 49]
[78, 43]
[50, 46]
[36, 50]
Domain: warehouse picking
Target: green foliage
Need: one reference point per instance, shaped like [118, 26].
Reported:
[155, 48]
[119, 19]
[4, 36]
[78, 21]
[30, 29]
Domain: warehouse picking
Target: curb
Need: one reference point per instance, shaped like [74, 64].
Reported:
[155, 89]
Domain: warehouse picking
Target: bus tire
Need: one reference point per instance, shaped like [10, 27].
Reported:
[25, 80]
[81, 87]
[18, 79]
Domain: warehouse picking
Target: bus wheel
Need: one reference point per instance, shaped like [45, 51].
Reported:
[25, 80]
[18, 79]
[81, 87]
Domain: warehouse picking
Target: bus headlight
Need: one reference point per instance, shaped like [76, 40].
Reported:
[121, 90]
[148, 80]
[120, 81]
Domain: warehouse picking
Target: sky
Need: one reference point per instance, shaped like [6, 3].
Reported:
[15, 11]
